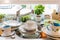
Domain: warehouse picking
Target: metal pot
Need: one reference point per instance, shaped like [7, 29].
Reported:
[26, 32]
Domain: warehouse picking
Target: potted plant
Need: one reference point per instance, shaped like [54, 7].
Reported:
[1, 17]
[38, 10]
[25, 18]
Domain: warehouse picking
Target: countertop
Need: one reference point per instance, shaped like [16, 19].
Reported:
[18, 38]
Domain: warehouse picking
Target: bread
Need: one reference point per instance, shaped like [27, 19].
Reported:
[1, 32]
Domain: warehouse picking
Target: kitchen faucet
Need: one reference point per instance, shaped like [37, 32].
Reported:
[18, 12]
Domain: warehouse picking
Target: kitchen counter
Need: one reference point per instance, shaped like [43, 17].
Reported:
[17, 38]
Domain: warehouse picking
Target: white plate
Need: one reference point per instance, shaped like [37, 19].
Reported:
[12, 23]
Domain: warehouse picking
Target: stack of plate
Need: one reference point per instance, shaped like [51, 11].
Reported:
[13, 23]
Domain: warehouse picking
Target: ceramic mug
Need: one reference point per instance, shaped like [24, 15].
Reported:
[7, 30]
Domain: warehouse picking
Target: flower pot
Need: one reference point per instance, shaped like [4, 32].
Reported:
[38, 18]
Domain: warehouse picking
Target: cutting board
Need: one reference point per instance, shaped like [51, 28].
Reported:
[56, 15]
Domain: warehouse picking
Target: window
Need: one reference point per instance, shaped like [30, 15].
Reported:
[13, 8]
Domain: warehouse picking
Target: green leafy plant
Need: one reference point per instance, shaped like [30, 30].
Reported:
[2, 16]
[25, 18]
[39, 9]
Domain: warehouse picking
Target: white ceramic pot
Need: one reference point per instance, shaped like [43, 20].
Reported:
[38, 18]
